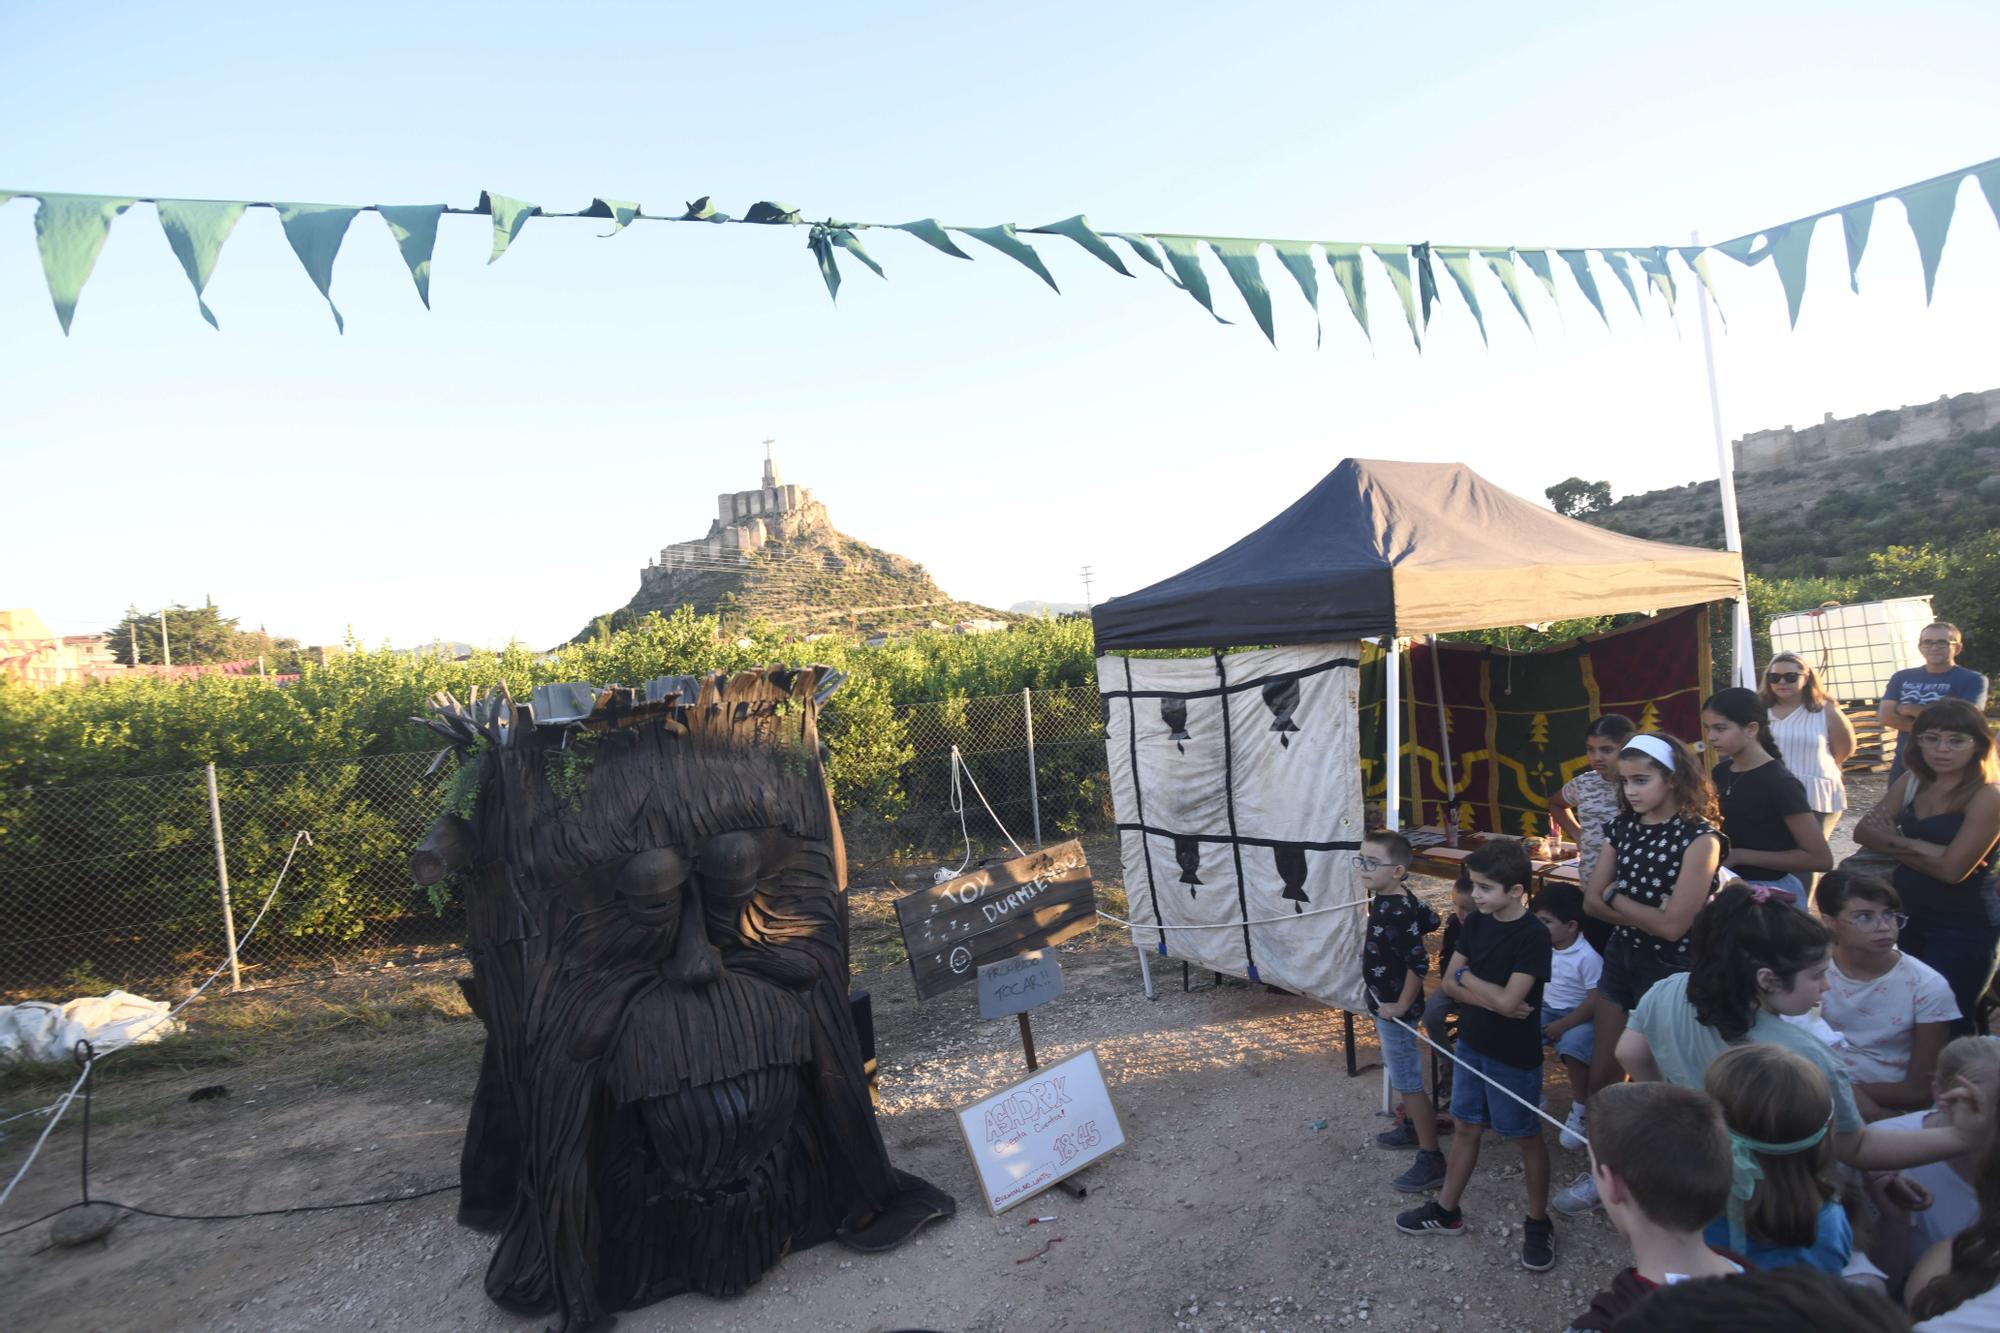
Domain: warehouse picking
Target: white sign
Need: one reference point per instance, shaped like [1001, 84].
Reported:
[1016, 985]
[1051, 1124]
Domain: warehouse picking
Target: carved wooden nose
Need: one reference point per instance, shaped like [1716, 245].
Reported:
[694, 961]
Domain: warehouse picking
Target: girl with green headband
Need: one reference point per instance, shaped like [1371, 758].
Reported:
[1783, 1208]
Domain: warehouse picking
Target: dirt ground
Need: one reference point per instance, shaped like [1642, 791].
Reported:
[1227, 1209]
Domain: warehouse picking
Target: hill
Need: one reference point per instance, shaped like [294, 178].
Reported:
[1827, 518]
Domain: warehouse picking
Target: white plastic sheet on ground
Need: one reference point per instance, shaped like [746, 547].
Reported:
[1236, 781]
[37, 1032]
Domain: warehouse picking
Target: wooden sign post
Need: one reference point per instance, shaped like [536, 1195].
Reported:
[1030, 902]
[1016, 985]
[1040, 1131]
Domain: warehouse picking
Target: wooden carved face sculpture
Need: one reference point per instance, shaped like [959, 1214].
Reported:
[672, 1095]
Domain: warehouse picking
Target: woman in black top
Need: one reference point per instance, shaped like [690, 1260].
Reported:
[1774, 837]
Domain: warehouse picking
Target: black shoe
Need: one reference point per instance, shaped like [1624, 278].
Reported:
[1427, 1172]
[1404, 1135]
[1538, 1245]
[1433, 1219]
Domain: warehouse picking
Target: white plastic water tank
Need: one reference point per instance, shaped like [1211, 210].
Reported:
[1855, 647]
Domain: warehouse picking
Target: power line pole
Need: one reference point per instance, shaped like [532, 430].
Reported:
[1086, 587]
[132, 623]
[166, 652]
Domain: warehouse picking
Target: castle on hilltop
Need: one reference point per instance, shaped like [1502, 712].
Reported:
[1949, 418]
[745, 523]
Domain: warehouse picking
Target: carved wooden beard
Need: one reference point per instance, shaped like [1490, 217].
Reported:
[672, 1094]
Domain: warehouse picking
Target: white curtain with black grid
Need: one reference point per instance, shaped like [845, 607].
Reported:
[1236, 781]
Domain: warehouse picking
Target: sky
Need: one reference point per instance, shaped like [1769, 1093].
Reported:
[503, 465]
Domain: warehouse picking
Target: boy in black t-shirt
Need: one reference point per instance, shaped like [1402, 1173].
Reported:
[1496, 973]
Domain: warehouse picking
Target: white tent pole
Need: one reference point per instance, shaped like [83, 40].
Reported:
[1393, 794]
[1744, 667]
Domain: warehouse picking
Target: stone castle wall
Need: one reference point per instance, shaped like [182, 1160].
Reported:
[1949, 418]
[745, 523]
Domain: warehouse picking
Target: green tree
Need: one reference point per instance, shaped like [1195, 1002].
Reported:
[195, 635]
[1576, 497]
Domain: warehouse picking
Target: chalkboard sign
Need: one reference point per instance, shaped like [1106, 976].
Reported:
[1050, 1125]
[1016, 985]
[1032, 901]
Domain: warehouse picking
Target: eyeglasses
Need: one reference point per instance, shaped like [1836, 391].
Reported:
[1783, 677]
[1867, 920]
[1945, 740]
[1369, 863]
[1936, 643]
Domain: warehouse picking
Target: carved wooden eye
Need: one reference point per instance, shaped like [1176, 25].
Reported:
[652, 883]
[729, 864]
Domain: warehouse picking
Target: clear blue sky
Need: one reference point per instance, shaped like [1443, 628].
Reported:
[504, 464]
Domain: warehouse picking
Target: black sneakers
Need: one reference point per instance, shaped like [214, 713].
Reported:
[1538, 1245]
[1427, 1172]
[1433, 1219]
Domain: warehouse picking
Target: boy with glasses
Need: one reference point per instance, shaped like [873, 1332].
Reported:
[1940, 677]
[1393, 963]
[1895, 1011]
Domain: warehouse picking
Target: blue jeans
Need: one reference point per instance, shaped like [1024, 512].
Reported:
[1791, 884]
[1578, 1043]
[1474, 1103]
[1399, 1055]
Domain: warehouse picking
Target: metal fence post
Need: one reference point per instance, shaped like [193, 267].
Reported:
[222, 878]
[1034, 790]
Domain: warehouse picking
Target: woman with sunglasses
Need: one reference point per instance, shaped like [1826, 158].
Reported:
[1813, 738]
[1941, 825]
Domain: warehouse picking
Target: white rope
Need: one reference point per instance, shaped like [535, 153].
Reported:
[1481, 1077]
[62, 1104]
[958, 808]
[957, 767]
[1232, 925]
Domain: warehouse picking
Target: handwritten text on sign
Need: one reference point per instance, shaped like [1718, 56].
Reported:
[1050, 1125]
[950, 929]
[1016, 985]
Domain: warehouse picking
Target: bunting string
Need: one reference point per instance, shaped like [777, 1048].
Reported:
[70, 231]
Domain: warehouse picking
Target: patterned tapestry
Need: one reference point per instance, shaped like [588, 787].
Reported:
[1517, 719]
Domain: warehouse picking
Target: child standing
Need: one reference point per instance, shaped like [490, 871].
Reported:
[1393, 964]
[1570, 1003]
[1440, 1007]
[1497, 974]
[1782, 1201]
[1588, 802]
[1895, 1011]
[1659, 866]
[1661, 1158]
[1774, 837]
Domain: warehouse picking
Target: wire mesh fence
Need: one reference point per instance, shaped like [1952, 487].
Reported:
[117, 884]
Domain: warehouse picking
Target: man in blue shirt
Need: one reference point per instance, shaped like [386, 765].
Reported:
[1940, 677]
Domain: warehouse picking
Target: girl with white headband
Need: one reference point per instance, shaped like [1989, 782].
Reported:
[1658, 868]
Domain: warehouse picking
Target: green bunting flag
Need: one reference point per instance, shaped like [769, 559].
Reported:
[509, 216]
[71, 229]
[316, 231]
[1239, 260]
[1579, 268]
[1397, 263]
[1078, 229]
[1854, 224]
[196, 229]
[1458, 263]
[1929, 207]
[1345, 261]
[415, 228]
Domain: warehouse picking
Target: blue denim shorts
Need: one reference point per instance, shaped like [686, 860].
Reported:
[1399, 1054]
[1791, 884]
[1578, 1043]
[1474, 1103]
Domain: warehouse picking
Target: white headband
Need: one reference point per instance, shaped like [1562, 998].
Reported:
[1655, 749]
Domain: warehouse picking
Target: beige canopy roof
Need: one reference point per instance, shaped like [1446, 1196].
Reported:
[1383, 547]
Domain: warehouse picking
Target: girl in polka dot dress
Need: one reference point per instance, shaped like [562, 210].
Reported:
[1658, 868]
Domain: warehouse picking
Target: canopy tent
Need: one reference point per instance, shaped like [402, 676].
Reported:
[1405, 549]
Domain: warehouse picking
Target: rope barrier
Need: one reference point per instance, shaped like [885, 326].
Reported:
[61, 1105]
[1425, 1039]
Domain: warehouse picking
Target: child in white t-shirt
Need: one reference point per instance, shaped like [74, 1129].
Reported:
[1894, 1011]
[1569, 1002]
[1902, 1236]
